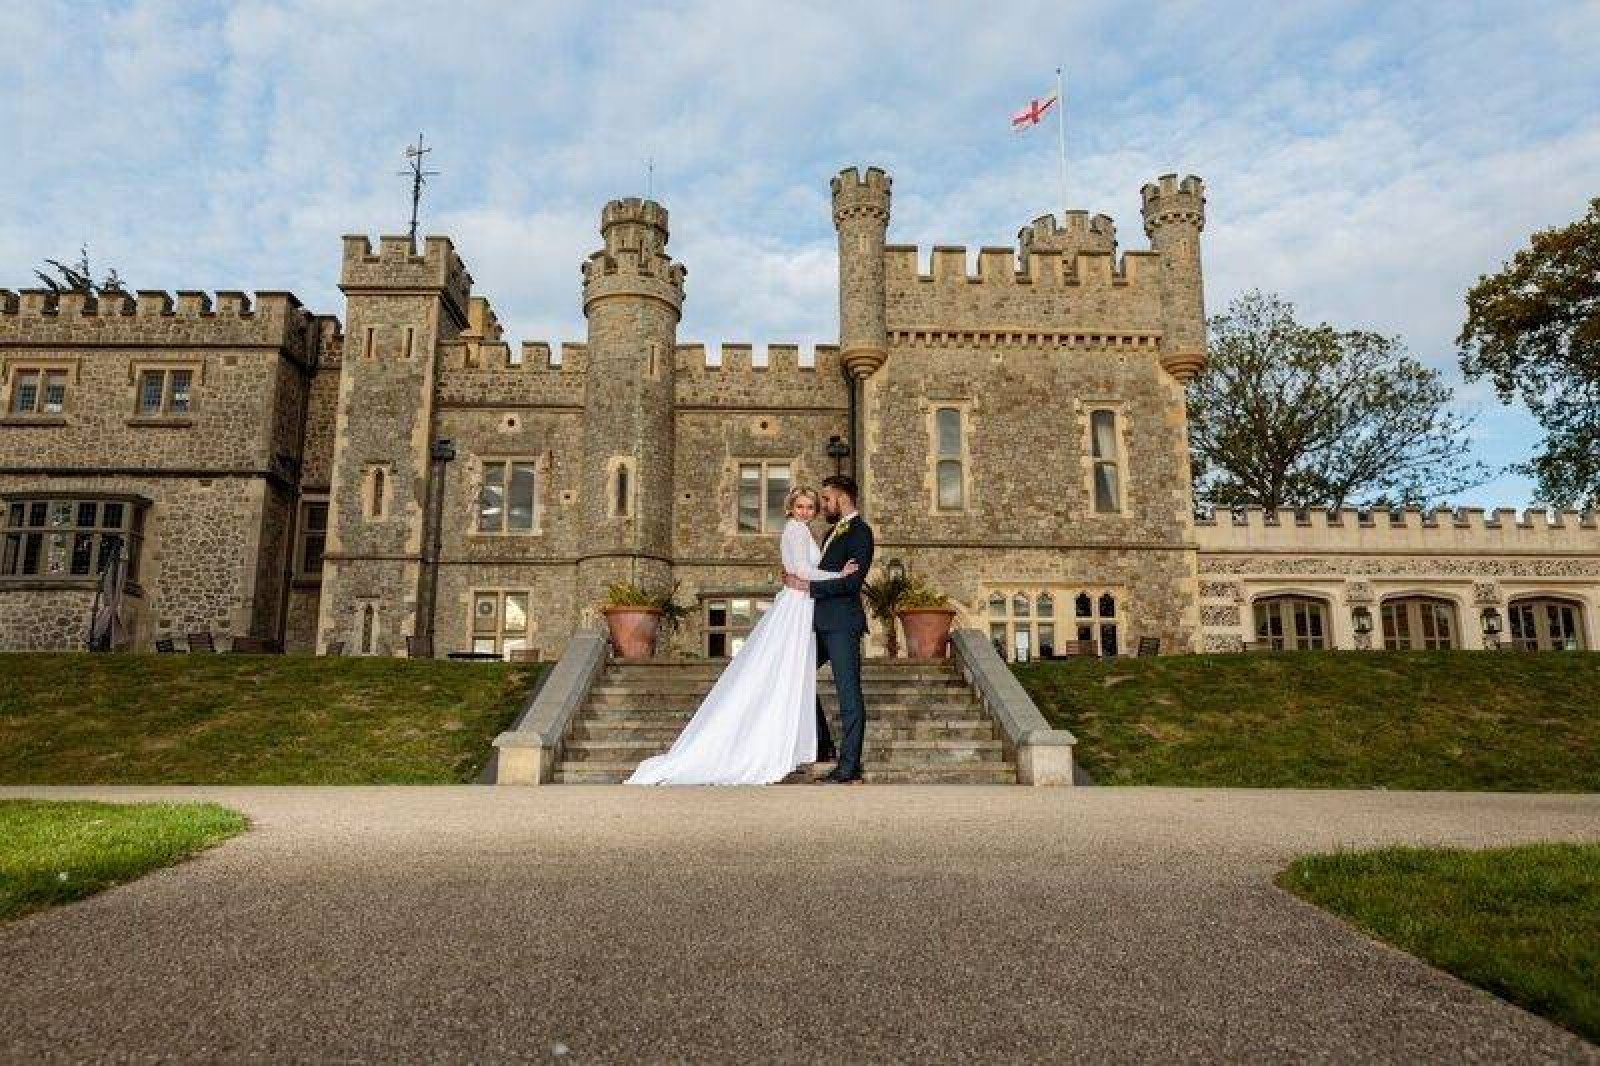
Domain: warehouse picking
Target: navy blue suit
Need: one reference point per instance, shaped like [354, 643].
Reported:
[840, 623]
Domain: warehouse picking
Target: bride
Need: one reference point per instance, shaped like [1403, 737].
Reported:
[758, 722]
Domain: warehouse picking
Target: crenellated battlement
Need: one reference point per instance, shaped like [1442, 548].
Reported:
[774, 359]
[1354, 530]
[397, 265]
[150, 303]
[633, 209]
[1030, 267]
[858, 194]
[1075, 231]
[1167, 201]
[530, 357]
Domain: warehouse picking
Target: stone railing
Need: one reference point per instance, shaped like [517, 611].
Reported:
[526, 753]
[1043, 754]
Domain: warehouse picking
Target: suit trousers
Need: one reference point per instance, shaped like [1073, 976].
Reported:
[842, 648]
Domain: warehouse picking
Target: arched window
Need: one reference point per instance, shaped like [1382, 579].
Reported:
[1083, 607]
[369, 616]
[1419, 623]
[621, 491]
[1291, 622]
[1547, 623]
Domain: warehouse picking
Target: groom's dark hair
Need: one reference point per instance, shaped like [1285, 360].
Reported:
[844, 483]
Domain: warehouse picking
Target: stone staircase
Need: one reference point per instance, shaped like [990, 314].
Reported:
[925, 725]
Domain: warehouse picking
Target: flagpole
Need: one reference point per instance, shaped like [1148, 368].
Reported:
[1061, 138]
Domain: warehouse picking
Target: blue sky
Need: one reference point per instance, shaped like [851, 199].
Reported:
[1366, 161]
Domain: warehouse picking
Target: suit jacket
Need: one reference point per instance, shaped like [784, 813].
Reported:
[838, 600]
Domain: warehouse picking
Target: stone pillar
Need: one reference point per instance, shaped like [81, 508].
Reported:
[633, 298]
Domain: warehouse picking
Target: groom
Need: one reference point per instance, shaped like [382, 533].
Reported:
[840, 623]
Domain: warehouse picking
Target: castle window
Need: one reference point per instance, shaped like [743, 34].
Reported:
[1547, 624]
[508, 500]
[729, 621]
[377, 492]
[1020, 623]
[164, 391]
[368, 343]
[950, 460]
[311, 539]
[69, 538]
[410, 338]
[763, 488]
[38, 392]
[369, 628]
[500, 621]
[1418, 622]
[1291, 623]
[622, 489]
[1107, 460]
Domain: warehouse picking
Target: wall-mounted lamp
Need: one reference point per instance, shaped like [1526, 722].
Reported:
[1490, 620]
[1361, 617]
[838, 451]
[896, 570]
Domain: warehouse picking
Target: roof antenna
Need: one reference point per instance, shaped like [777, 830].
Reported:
[419, 178]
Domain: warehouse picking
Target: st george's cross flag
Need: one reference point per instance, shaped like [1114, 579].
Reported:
[1033, 114]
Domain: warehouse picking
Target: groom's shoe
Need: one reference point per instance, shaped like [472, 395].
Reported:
[836, 778]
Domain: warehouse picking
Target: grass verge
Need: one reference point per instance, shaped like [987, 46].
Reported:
[54, 852]
[1402, 720]
[248, 719]
[1521, 922]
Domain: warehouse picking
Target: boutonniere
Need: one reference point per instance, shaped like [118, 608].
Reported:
[841, 528]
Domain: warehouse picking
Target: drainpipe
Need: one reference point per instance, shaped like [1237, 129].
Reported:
[441, 453]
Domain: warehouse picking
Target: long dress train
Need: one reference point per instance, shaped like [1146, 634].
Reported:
[758, 722]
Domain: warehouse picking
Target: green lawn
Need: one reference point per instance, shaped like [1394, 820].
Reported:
[54, 852]
[245, 719]
[1404, 720]
[1523, 922]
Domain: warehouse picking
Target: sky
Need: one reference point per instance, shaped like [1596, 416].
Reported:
[1366, 161]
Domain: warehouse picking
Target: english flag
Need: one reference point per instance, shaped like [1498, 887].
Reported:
[1033, 114]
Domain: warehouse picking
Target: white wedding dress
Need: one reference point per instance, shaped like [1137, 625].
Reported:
[758, 722]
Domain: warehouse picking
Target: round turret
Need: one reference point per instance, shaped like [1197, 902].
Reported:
[1076, 232]
[1168, 202]
[1174, 214]
[861, 217]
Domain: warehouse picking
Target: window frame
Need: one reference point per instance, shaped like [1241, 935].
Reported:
[498, 635]
[41, 371]
[1288, 637]
[507, 464]
[938, 456]
[1539, 607]
[729, 636]
[1117, 462]
[1104, 627]
[1409, 622]
[60, 540]
[168, 373]
[764, 498]
[303, 534]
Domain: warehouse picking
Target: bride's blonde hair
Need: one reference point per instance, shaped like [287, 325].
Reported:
[797, 492]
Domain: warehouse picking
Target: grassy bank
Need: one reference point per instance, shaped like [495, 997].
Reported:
[1404, 720]
[1522, 923]
[56, 852]
[245, 719]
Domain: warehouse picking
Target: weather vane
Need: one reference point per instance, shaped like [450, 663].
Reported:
[419, 177]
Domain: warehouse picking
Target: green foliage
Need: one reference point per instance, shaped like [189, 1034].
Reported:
[673, 613]
[1465, 720]
[1533, 329]
[56, 852]
[77, 278]
[1290, 415]
[1522, 923]
[78, 718]
[919, 593]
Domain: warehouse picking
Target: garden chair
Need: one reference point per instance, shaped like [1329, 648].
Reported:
[165, 646]
[419, 648]
[335, 648]
[1076, 649]
[1149, 646]
[201, 642]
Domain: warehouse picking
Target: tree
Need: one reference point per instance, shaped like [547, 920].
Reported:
[1534, 330]
[1290, 415]
[78, 277]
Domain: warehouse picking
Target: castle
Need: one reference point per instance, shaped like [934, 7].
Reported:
[1017, 425]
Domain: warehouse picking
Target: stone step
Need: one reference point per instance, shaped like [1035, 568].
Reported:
[677, 687]
[970, 774]
[666, 677]
[655, 728]
[876, 713]
[960, 704]
[893, 752]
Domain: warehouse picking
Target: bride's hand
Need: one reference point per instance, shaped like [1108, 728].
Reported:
[850, 567]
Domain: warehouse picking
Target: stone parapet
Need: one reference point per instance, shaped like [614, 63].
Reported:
[1353, 530]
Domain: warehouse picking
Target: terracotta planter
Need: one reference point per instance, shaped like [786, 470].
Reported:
[633, 630]
[927, 631]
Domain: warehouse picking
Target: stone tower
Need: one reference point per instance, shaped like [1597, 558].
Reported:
[633, 298]
[861, 217]
[1174, 214]
[399, 304]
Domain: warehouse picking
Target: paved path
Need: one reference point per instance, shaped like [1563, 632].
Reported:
[488, 924]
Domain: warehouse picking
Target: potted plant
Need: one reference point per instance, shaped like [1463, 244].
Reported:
[635, 618]
[927, 617]
[883, 599]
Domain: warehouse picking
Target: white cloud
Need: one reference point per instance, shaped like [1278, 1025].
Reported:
[1367, 162]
